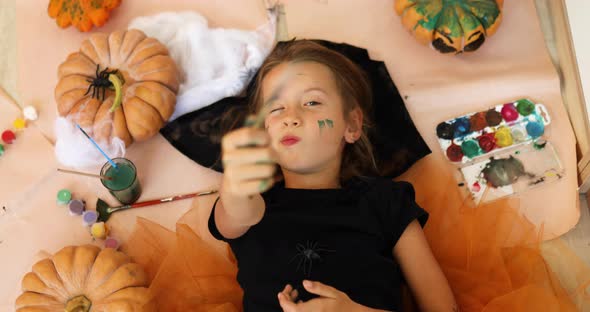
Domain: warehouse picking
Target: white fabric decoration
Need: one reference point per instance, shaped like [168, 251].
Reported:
[73, 149]
[30, 113]
[214, 62]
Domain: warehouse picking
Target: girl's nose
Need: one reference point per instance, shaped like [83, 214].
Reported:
[294, 122]
[291, 119]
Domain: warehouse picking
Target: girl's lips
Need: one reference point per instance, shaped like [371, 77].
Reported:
[290, 140]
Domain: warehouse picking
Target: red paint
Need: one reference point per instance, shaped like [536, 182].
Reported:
[111, 243]
[8, 136]
[476, 187]
[478, 121]
[509, 112]
[454, 152]
[487, 142]
[289, 140]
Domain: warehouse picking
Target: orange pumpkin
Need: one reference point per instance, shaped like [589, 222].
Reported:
[452, 26]
[119, 85]
[85, 278]
[83, 14]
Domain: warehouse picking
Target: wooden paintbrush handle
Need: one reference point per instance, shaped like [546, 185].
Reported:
[169, 199]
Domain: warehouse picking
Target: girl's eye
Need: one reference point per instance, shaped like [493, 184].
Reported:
[312, 103]
[276, 110]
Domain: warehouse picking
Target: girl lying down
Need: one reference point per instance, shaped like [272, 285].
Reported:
[330, 235]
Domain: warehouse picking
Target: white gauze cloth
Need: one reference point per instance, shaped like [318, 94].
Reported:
[214, 62]
[73, 149]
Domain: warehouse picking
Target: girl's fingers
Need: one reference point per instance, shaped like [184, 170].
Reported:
[294, 294]
[290, 292]
[244, 137]
[287, 289]
[286, 304]
[320, 289]
[248, 156]
[244, 173]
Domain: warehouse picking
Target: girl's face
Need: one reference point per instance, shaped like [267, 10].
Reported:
[306, 121]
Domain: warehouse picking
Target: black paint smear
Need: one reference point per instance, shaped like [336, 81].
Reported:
[503, 172]
[445, 130]
[474, 45]
[442, 46]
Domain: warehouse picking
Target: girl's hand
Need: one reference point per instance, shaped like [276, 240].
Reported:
[290, 293]
[248, 161]
[331, 299]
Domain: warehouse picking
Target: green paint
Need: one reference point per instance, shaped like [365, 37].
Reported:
[263, 185]
[525, 107]
[63, 197]
[124, 185]
[539, 144]
[467, 21]
[470, 148]
[431, 12]
[486, 11]
[122, 177]
[448, 23]
[454, 17]
[250, 121]
[325, 122]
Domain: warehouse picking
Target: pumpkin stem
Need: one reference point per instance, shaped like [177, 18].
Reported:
[118, 85]
[78, 304]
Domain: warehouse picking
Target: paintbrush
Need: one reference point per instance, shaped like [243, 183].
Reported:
[257, 121]
[98, 147]
[85, 174]
[104, 211]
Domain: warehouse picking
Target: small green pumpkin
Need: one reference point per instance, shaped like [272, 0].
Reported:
[452, 26]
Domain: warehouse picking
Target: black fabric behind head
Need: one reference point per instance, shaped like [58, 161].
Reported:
[396, 142]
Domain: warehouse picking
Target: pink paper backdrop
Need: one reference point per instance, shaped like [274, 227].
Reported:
[510, 65]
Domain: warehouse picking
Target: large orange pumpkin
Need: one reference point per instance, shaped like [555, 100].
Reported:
[85, 278]
[451, 26]
[119, 85]
[83, 14]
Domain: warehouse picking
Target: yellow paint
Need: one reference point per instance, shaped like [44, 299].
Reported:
[99, 230]
[503, 137]
[19, 124]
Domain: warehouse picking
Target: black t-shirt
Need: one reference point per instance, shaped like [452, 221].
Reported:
[340, 237]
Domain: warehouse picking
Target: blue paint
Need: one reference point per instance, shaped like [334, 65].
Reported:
[462, 127]
[535, 129]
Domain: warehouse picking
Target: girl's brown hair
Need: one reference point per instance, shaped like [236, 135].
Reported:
[354, 87]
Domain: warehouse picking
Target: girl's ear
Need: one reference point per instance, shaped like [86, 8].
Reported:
[354, 126]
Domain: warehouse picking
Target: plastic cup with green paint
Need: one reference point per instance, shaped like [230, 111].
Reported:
[124, 185]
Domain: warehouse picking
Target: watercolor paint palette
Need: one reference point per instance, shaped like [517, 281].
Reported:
[515, 170]
[481, 134]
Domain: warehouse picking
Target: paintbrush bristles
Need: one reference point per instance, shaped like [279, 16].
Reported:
[85, 174]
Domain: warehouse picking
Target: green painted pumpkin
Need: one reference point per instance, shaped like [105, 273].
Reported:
[452, 26]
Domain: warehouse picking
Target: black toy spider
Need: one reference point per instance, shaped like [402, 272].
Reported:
[100, 82]
[307, 255]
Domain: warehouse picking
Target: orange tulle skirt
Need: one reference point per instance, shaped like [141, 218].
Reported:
[492, 256]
